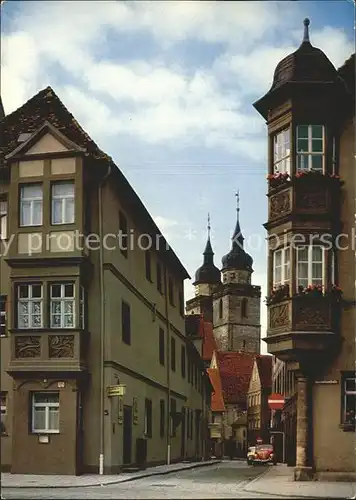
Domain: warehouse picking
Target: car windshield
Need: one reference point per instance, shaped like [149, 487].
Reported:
[264, 447]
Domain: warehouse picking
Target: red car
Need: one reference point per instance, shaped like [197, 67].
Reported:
[264, 454]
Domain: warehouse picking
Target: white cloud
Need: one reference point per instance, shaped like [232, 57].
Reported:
[166, 226]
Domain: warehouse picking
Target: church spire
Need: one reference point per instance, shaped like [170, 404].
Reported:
[208, 272]
[237, 258]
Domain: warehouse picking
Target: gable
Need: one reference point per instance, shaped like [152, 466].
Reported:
[47, 144]
[255, 381]
[214, 361]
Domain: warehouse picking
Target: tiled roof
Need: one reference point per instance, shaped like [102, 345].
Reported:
[217, 400]
[235, 372]
[209, 343]
[44, 106]
[264, 365]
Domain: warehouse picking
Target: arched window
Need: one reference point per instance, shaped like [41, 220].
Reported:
[220, 309]
[244, 308]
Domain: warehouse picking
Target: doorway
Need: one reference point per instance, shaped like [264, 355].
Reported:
[127, 436]
[182, 447]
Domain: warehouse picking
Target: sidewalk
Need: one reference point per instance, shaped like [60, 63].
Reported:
[278, 480]
[47, 481]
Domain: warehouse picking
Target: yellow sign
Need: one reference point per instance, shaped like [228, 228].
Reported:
[115, 390]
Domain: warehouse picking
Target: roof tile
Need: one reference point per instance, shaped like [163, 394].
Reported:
[217, 400]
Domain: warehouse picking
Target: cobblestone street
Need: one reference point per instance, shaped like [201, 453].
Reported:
[224, 480]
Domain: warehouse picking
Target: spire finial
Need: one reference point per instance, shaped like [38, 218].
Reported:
[209, 226]
[237, 194]
[306, 23]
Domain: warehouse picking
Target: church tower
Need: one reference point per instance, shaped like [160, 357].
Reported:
[207, 281]
[237, 304]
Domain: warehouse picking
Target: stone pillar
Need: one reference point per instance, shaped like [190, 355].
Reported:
[303, 470]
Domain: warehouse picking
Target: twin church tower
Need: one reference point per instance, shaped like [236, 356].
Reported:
[232, 304]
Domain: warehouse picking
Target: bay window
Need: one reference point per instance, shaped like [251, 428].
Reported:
[31, 205]
[45, 412]
[310, 147]
[281, 152]
[349, 399]
[30, 306]
[281, 266]
[62, 307]
[310, 266]
[63, 211]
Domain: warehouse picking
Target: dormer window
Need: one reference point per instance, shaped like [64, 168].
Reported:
[281, 152]
[310, 147]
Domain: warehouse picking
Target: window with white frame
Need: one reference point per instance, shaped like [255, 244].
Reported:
[82, 308]
[31, 205]
[281, 152]
[3, 408]
[63, 203]
[281, 266]
[62, 297]
[30, 306]
[45, 412]
[310, 147]
[3, 300]
[310, 265]
[349, 399]
[3, 219]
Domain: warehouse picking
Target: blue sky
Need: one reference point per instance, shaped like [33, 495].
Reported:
[166, 88]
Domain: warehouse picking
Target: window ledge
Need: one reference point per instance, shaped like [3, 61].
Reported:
[347, 427]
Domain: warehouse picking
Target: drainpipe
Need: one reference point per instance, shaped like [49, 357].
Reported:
[168, 368]
[102, 323]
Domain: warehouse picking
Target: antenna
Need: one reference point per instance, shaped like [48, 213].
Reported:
[209, 226]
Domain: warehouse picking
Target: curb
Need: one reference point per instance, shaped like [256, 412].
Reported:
[118, 481]
[281, 495]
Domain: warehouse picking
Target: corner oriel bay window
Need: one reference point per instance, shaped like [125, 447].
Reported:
[31, 205]
[63, 211]
[62, 296]
[45, 412]
[281, 266]
[310, 266]
[310, 147]
[30, 306]
[281, 152]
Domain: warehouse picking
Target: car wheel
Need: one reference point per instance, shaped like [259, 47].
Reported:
[248, 462]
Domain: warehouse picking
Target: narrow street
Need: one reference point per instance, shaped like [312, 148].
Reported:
[224, 480]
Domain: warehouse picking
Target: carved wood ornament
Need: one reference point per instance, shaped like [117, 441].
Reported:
[61, 346]
[280, 204]
[311, 200]
[279, 316]
[28, 347]
[312, 317]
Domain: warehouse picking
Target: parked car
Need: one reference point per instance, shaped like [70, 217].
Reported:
[250, 454]
[262, 454]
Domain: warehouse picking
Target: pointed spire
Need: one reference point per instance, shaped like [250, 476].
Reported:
[237, 236]
[208, 252]
[238, 204]
[306, 30]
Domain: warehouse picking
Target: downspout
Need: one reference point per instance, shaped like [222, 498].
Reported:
[168, 369]
[102, 322]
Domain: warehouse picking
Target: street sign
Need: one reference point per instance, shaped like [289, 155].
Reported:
[115, 390]
[276, 401]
